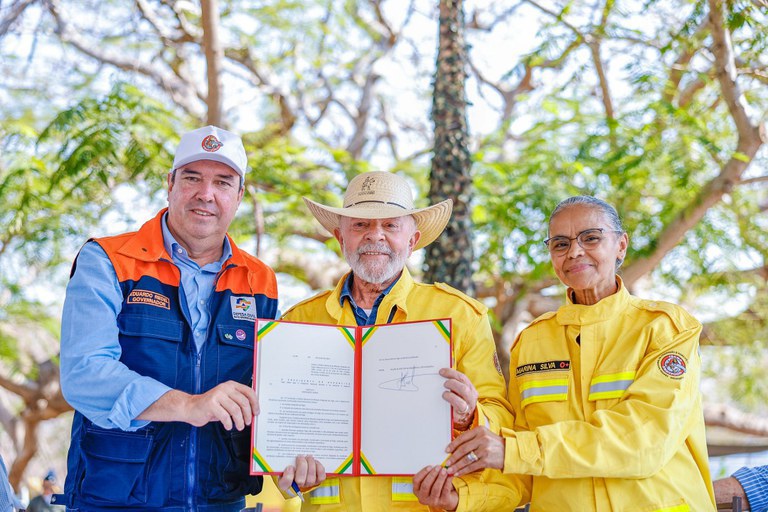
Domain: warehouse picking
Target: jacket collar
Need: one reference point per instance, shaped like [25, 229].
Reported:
[605, 309]
[397, 296]
[148, 244]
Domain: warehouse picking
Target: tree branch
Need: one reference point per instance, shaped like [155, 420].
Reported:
[182, 91]
[189, 30]
[389, 134]
[244, 57]
[509, 95]
[258, 218]
[722, 415]
[690, 90]
[150, 16]
[679, 67]
[757, 74]
[594, 42]
[390, 33]
[15, 11]
[752, 181]
[725, 68]
[27, 392]
[213, 57]
[474, 22]
[605, 91]
[750, 138]
[362, 115]
[558, 16]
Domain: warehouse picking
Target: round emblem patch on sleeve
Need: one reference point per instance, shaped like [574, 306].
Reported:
[673, 365]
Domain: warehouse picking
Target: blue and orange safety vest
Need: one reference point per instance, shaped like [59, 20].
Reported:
[173, 466]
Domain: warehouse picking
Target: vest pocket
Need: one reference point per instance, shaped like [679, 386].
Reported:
[235, 472]
[145, 326]
[236, 335]
[116, 465]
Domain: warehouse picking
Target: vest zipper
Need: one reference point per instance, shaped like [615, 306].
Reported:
[192, 467]
[192, 451]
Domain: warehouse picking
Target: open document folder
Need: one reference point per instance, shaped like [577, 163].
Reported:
[361, 400]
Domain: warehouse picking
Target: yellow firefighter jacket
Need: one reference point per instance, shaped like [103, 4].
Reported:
[475, 356]
[608, 410]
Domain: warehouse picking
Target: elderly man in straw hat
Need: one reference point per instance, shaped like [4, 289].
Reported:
[378, 229]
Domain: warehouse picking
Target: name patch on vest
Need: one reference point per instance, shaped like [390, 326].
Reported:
[149, 298]
[544, 366]
[243, 308]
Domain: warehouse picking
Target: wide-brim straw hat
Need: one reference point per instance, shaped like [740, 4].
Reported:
[384, 195]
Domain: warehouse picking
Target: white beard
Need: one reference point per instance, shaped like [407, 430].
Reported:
[371, 271]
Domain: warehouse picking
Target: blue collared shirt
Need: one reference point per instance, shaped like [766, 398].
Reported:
[8, 500]
[361, 317]
[93, 379]
[196, 281]
[755, 484]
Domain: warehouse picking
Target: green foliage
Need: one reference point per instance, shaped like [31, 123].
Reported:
[58, 184]
[8, 347]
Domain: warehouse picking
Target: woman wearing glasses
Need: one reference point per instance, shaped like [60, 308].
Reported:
[605, 390]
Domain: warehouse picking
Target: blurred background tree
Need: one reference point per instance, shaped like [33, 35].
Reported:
[656, 106]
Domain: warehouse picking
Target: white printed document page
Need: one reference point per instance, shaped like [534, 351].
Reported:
[406, 424]
[304, 378]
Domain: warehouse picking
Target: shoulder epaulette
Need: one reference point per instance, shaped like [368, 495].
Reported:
[113, 240]
[542, 317]
[476, 304]
[679, 316]
[317, 296]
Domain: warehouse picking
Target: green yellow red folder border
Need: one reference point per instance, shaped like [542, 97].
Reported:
[356, 463]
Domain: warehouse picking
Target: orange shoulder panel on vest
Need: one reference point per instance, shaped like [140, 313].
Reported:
[132, 269]
[257, 277]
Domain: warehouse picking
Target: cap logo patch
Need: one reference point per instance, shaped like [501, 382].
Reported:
[211, 144]
[673, 365]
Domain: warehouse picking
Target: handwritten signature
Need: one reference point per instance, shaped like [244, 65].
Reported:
[406, 381]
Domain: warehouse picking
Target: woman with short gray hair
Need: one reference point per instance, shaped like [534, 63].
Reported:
[605, 390]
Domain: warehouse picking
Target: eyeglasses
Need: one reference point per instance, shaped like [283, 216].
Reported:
[587, 239]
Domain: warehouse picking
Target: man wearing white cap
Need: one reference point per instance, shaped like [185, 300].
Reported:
[157, 348]
[378, 228]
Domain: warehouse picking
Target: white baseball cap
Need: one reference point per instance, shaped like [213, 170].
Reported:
[211, 143]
